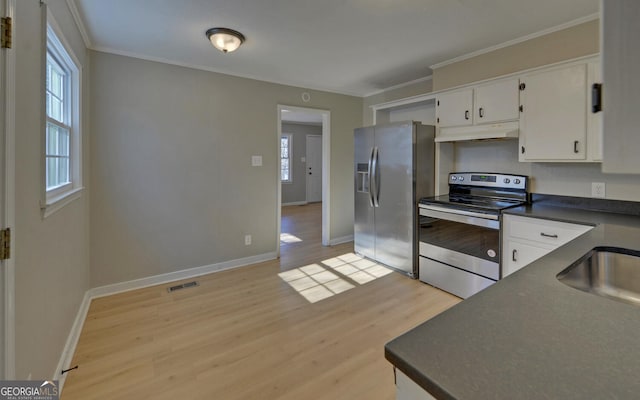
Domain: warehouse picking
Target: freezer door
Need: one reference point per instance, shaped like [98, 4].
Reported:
[364, 226]
[394, 215]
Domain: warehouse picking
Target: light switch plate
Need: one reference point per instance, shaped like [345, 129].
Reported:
[256, 161]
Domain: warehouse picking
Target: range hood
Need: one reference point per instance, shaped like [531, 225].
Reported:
[506, 130]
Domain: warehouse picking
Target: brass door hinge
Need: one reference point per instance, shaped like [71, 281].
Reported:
[5, 35]
[5, 244]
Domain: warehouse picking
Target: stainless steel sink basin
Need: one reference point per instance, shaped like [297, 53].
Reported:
[606, 272]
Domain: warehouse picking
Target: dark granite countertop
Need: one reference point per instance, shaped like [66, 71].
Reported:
[529, 336]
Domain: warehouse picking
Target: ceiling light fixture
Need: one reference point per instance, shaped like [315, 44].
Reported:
[224, 39]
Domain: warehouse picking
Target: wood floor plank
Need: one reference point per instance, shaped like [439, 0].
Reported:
[248, 334]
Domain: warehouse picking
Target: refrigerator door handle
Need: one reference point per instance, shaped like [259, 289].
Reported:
[376, 179]
[369, 175]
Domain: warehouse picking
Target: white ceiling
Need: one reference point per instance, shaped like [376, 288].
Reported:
[347, 46]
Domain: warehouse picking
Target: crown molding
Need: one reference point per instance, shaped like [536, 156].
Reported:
[512, 42]
[73, 8]
[400, 85]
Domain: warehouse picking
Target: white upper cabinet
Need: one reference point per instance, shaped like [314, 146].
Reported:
[455, 108]
[496, 102]
[487, 103]
[558, 121]
[621, 91]
[553, 124]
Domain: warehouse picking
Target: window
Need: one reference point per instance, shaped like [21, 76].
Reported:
[62, 149]
[285, 158]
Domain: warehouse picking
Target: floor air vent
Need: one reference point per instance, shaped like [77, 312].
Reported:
[182, 286]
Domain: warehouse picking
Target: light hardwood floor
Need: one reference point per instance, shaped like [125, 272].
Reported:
[248, 334]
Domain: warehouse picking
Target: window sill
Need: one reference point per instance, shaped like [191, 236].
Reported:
[57, 203]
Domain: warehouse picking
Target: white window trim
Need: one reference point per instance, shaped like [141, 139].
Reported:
[55, 199]
[290, 180]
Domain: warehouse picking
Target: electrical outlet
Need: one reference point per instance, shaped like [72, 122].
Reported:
[598, 189]
[247, 240]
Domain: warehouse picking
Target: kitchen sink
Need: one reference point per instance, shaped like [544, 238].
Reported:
[607, 272]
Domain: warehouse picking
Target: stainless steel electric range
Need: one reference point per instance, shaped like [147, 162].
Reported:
[460, 231]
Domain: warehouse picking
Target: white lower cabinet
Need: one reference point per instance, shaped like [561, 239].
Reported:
[526, 239]
[406, 389]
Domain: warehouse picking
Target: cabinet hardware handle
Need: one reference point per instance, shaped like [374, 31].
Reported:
[481, 112]
[575, 146]
[554, 236]
[513, 255]
[596, 97]
[466, 114]
[522, 86]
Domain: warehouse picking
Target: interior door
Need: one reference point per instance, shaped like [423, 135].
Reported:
[394, 214]
[314, 168]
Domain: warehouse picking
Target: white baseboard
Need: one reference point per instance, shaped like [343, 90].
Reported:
[177, 275]
[72, 340]
[340, 240]
[295, 203]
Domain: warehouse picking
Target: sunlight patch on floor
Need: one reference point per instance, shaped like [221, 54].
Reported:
[289, 238]
[319, 281]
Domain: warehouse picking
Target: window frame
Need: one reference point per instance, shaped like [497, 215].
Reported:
[60, 51]
[290, 144]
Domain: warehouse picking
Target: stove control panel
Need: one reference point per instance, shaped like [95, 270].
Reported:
[501, 181]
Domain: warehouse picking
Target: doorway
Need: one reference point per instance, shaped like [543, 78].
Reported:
[7, 156]
[288, 158]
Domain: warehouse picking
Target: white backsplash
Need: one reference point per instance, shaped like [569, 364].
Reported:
[567, 179]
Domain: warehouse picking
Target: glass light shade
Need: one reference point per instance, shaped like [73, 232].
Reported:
[225, 40]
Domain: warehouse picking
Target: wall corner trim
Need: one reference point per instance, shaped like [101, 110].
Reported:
[72, 341]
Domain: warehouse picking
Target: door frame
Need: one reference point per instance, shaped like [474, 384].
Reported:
[306, 171]
[8, 266]
[326, 172]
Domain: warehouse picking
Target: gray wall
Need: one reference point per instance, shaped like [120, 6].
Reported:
[171, 164]
[52, 254]
[296, 191]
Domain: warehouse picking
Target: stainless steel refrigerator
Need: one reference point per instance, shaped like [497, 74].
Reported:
[394, 168]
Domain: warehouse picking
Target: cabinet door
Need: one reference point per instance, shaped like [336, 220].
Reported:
[455, 108]
[517, 255]
[406, 389]
[621, 103]
[553, 124]
[496, 102]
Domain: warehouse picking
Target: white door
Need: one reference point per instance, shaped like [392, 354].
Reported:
[314, 168]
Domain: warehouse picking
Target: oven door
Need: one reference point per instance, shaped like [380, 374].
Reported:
[463, 239]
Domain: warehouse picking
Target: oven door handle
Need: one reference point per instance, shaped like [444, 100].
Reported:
[460, 212]
[462, 216]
